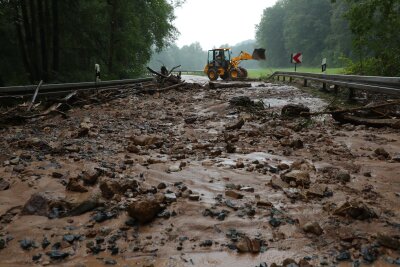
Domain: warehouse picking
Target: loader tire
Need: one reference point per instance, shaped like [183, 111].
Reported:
[234, 74]
[224, 76]
[243, 73]
[212, 74]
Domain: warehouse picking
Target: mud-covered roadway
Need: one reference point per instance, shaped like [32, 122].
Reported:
[290, 191]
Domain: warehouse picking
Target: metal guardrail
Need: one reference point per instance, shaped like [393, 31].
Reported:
[376, 84]
[65, 87]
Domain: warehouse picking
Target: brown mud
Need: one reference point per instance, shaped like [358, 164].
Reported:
[188, 150]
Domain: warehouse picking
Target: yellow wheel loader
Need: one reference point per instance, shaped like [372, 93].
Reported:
[220, 64]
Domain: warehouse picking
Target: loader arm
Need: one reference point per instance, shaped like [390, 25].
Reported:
[242, 56]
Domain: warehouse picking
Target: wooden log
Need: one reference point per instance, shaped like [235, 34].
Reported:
[345, 118]
[351, 110]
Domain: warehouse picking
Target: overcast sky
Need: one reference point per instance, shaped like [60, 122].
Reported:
[216, 22]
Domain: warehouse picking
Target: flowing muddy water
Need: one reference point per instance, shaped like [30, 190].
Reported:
[192, 152]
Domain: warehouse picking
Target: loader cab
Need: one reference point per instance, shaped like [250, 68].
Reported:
[219, 57]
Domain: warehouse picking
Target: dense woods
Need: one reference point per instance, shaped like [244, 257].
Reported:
[61, 40]
[362, 35]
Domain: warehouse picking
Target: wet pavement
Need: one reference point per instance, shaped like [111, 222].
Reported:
[269, 191]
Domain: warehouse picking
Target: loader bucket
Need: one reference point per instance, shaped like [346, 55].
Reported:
[259, 54]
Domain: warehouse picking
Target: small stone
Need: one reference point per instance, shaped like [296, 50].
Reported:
[161, 186]
[381, 152]
[146, 208]
[343, 256]
[343, 176]
[369, 253]
[247, 189]
[313, 227]
[26, 244]
[57, 255]
[170, 197]
[248, 245]
[57, 175]
[355, 209]
[274, 222]
[388, 241]
[301, 178]
[236, 125]
[206, 243]
[194, 197]
[110, 262]
[233, 194]
[90, 176]
[69, 238]
[174, 168]
[74, 186]
[4, 185]
[277, 183]
[133, 149]
[45, 243]
[36, 257]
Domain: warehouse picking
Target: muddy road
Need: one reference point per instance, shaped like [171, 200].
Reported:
[199, 177]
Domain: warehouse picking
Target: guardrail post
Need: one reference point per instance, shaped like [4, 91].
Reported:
[277, 77]
[351, 93]
[290, 79]
[305, 83]
[323, 86]
[284, 78]
[336, 89]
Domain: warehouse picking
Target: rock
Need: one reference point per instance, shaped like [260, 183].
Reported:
[3, 243]
[102, 216]
[194, 197]
[57, 255]
[145, 208]
[289, 262]
[145, 140]
[230, 148]
[161, 186]
[109, 188]
[74, 186]
[84, 206]
[248, 245]
[190, 120]
[317, 190]
[274, 222]
[283, 166]
[313, 227]
[206, 243]
[343, 256]
[236, 125]
[170, 197]
[233, 194]
[396, 157]
[369, 253]
[69, 238]
[355, 209]
[247, 189]
[174, 168]
[294, 110]
[45, 243]
[241, 101]
[26, 244]
[90, 176]
[264, 204]
[43, 204]
[343, 176]
[110, 262]
[381, 152]
[4, 185]
[36, 257]
[277, 183]
[133, 149]
[301, 178]
[388, 241]
[57, 175]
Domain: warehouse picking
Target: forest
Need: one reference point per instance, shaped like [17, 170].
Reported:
[61, 40]
[360, 35]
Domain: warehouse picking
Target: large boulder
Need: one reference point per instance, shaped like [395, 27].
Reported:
[146, 207]
[301, 178]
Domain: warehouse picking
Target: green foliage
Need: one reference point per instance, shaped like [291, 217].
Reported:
[73, 35]
[316, 28]
[375, 25]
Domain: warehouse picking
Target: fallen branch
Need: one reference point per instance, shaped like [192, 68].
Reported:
[35, 95]
[351, 110]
